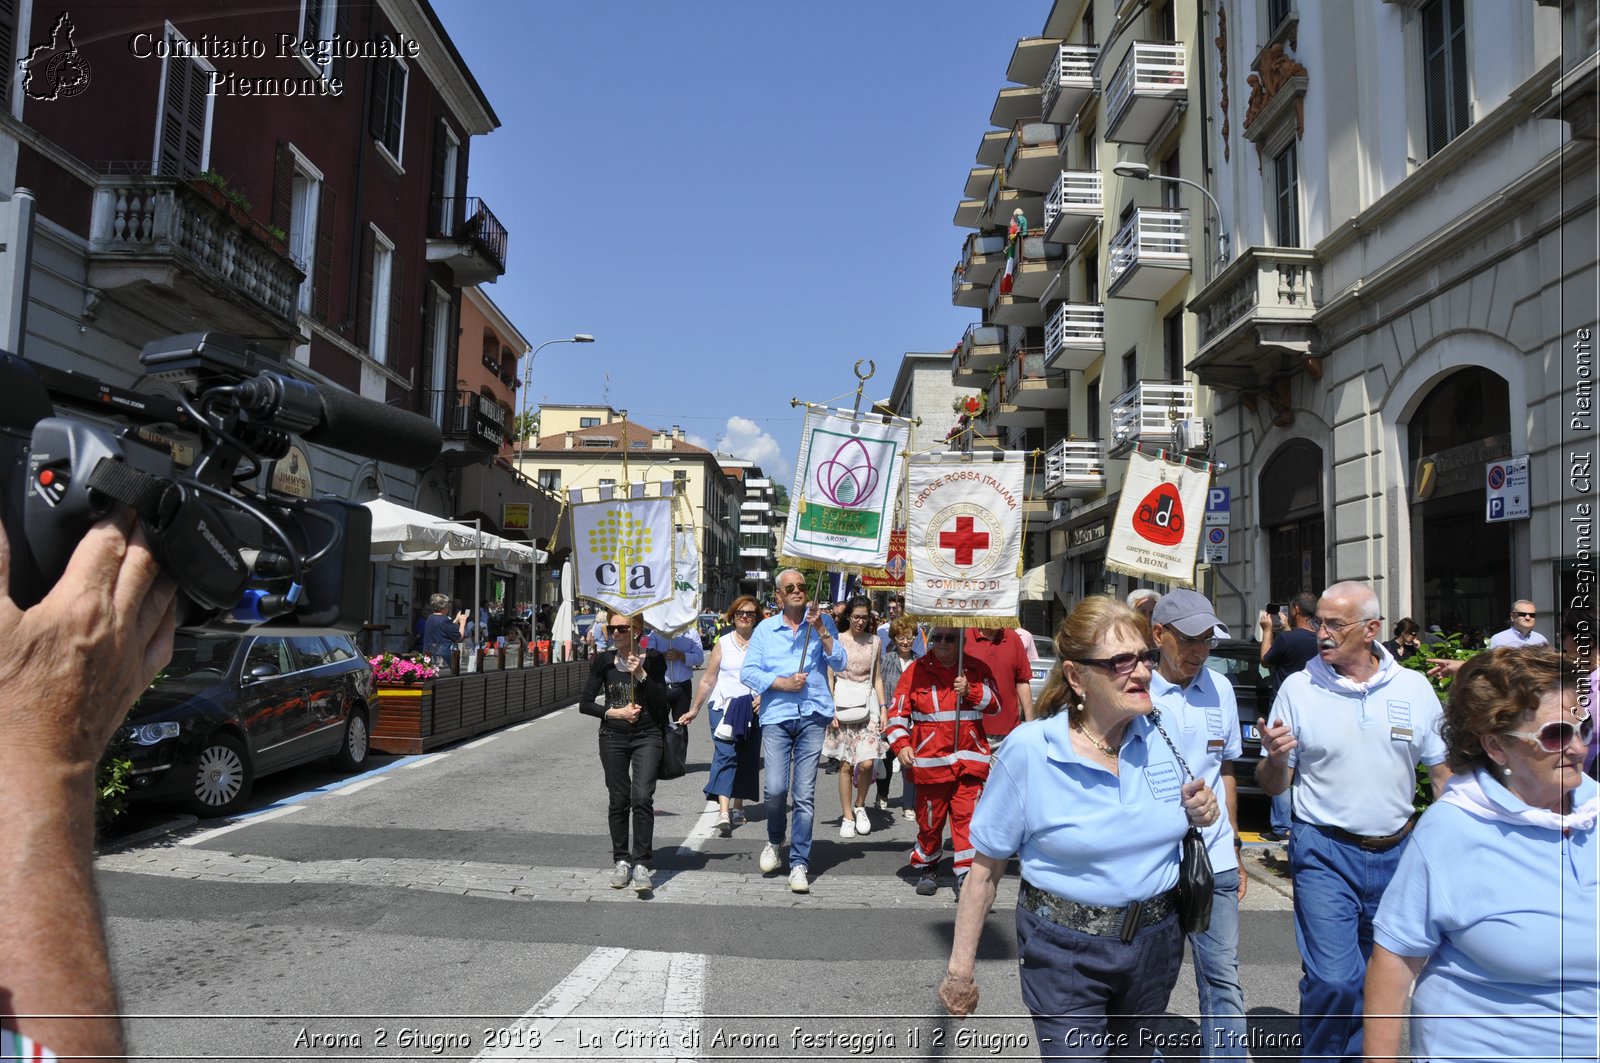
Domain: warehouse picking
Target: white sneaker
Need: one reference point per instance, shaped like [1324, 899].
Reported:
[847, 827]
[620, 875]
[769, 858]
[724, 826]
[910, 813]
[863, 824]
[883, 804]
[642, 882]
[797, 879]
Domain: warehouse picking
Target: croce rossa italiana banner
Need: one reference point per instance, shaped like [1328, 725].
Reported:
[964, 538]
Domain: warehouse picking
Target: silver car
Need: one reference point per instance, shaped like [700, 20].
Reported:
[1044, 667]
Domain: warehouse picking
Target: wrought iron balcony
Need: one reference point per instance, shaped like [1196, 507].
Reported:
[1149, 255]
[1070, 81]
[467, 237]
[1149, 412]
[1255, 318]
[470, 422]
[1145, 91]
[1075, 336]
[982, 347]
[1075, 204]
[1075, 468]
[167, 250]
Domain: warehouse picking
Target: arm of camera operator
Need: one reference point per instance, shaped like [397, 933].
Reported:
[75, 663]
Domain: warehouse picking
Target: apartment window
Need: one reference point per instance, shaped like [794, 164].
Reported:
[1444, 71]
[1166, 22]
[1088, 25]
[1130, 369]
[306, 200]
[608, 483]
[183, 115]
[382, 297]
[550, 479]
[1091, 149]
[1277, 12]
[1286, 196]
[8, 50]
[588, 422]
[1172, 344]
[1091, 276]
[436, 333]
[1171, 198]
[387, 121]
[1092, 397]
[318, 23]
[446, 177]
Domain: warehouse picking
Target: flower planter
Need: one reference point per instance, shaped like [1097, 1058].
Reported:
[413, 719]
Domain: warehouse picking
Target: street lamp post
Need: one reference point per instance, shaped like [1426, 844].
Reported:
[527, 376]
[1140, 172]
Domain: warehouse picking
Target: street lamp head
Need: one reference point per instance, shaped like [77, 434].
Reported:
[1136, 170]
[583, 337]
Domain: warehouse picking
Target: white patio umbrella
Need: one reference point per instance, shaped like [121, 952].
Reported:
[561, 629]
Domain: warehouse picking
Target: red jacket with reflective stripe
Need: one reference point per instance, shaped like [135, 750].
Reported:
[947, 741]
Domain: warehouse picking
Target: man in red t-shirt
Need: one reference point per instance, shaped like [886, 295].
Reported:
[1002, 650]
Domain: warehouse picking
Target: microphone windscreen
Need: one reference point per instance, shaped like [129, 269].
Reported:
[374, 430]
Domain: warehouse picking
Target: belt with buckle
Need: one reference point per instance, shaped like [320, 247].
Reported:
[1097, 919]
[1379, 844]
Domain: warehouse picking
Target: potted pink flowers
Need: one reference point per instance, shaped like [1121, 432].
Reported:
[395, 670]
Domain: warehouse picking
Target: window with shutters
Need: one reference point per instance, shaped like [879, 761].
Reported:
[8, 51]
[304, 210]
[1444, 71]
[382, 296]
[183, 112]
[446, 173]
[318, 22]
[437, 330]
[389, 79]
[1286, 196]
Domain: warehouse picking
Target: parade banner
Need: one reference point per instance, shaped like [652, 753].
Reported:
[892, 576]
[623, 549]
[682, 613]
[1156, 535]
[843, 495]
[964, 538]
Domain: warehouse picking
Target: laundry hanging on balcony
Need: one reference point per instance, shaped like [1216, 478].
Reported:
[1016, 234]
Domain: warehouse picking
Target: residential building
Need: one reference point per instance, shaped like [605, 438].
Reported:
[758, 528]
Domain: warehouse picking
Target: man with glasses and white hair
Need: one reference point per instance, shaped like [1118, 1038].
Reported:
[1346, 733]
[784, 667]
[1520, 635]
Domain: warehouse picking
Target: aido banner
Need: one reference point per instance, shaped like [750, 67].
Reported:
[843, 497]
[623, 552]
[1159, 519]
[964, 538]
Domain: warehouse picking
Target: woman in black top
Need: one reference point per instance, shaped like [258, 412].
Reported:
[1407, 633]
[631, 687]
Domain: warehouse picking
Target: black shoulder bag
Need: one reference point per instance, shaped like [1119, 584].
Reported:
[1195, 881]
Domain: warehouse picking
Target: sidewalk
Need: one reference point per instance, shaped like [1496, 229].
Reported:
[1267, 864]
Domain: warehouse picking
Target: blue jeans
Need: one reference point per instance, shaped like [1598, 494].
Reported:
[1337, 887]
[792, 744]
[1282, 813]
[1216, 974]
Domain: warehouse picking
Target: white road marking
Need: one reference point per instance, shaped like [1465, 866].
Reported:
[207, 835]
[530, 1032]
[475, 743]
[360, 785]
[429, 759]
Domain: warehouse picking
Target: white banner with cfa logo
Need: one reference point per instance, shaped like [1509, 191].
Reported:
[1159, 519]
[964, 538]
[623, 552]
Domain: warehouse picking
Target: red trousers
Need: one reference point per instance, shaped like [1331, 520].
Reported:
[936, 803]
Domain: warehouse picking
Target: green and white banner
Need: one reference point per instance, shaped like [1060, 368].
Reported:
[623, 556]
[844, 488]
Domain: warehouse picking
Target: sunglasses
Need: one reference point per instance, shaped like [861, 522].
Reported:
[1554, 736]
[744, 614]
[1527, 616]
[790, 588]
[619, 627]
[1124, 663]
[942, 638]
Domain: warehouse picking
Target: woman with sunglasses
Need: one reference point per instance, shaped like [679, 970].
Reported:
[735, 775]
[632, 688]
[1091, 798]
[1493, 908]
[855, 737]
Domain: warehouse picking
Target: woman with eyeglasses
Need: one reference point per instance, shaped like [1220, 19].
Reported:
[735, 775]
[1493, 909]
[855, 736]
[1093, 801]
[631, 688]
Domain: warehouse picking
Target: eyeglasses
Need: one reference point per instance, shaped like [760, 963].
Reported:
[1337, 627]
[859, 619]
[1209, 640]
[745, 614]
[948, 637]
[618, 627]
[1124, 663]
[1554, 736]
[1527, 616]
[790, 588]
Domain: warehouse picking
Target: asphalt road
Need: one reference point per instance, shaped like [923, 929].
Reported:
[455, 906]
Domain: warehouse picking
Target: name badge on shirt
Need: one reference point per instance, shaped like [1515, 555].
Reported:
[1164, 781]
[1214, 745]
[1400, 721]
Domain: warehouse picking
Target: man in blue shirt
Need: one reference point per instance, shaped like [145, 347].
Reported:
[684, 654]
[784, 665]
[1201, 715]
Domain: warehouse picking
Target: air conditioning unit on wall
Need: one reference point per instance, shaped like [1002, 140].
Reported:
[1192, 435]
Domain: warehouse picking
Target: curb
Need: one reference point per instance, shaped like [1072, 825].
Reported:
[1266, 865]
[149, 834]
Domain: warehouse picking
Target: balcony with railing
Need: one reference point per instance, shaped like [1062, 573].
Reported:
[174, 255]
[1149, 412]
[1001, 200]
[1032, 157]
[1069, 83]
[1075, 336]
[1149, 255]
[472, 424]
[1030, 59]
[982, 347]
[1013, 308]
[466, 236]
[1032, 384]
[1075, 205]
[979, 178]
[1075, 468]
[1255, 318]
[982, 256]
[1149, 84]
[992, 147]
[755, 507]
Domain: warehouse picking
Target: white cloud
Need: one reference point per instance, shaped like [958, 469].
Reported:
[744, 438]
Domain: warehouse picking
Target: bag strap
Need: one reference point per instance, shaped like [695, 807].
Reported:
[1155, 718]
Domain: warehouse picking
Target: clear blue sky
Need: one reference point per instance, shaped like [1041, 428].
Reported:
[738, 199]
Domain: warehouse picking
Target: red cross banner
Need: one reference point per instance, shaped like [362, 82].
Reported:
[964, 538]
[1159, 519]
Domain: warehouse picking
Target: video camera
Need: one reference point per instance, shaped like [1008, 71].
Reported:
[243, 560]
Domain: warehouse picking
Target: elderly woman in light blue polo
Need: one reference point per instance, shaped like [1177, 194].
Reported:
[1092, 799]
[1493, 910]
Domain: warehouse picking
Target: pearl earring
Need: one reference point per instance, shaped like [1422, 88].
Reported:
[1506, 770]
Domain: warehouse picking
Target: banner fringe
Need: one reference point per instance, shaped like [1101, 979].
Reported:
[1145, 573]
[965, 620]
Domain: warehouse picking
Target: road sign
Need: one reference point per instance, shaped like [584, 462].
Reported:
[1217, 507]
[1216, 544]
[1506, 490]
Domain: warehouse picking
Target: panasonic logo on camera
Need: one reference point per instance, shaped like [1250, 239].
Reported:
[227, 555]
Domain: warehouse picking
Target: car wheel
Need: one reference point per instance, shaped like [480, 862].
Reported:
[352, 755]
[222, 777]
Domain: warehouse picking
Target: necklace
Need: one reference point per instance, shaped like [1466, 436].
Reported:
[739, 642]
[1110, 751]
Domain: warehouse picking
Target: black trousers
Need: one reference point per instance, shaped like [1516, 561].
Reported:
[679, 697]
[630, 757]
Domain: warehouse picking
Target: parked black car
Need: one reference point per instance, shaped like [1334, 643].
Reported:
[230, 708]
[1240, 661]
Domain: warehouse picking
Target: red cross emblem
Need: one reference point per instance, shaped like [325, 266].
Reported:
[963, 540]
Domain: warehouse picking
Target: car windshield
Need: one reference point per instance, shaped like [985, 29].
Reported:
[1236, 667]
[198, 653]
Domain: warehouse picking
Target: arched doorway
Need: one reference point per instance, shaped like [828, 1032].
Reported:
[1461, 564]
[1292, 519]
